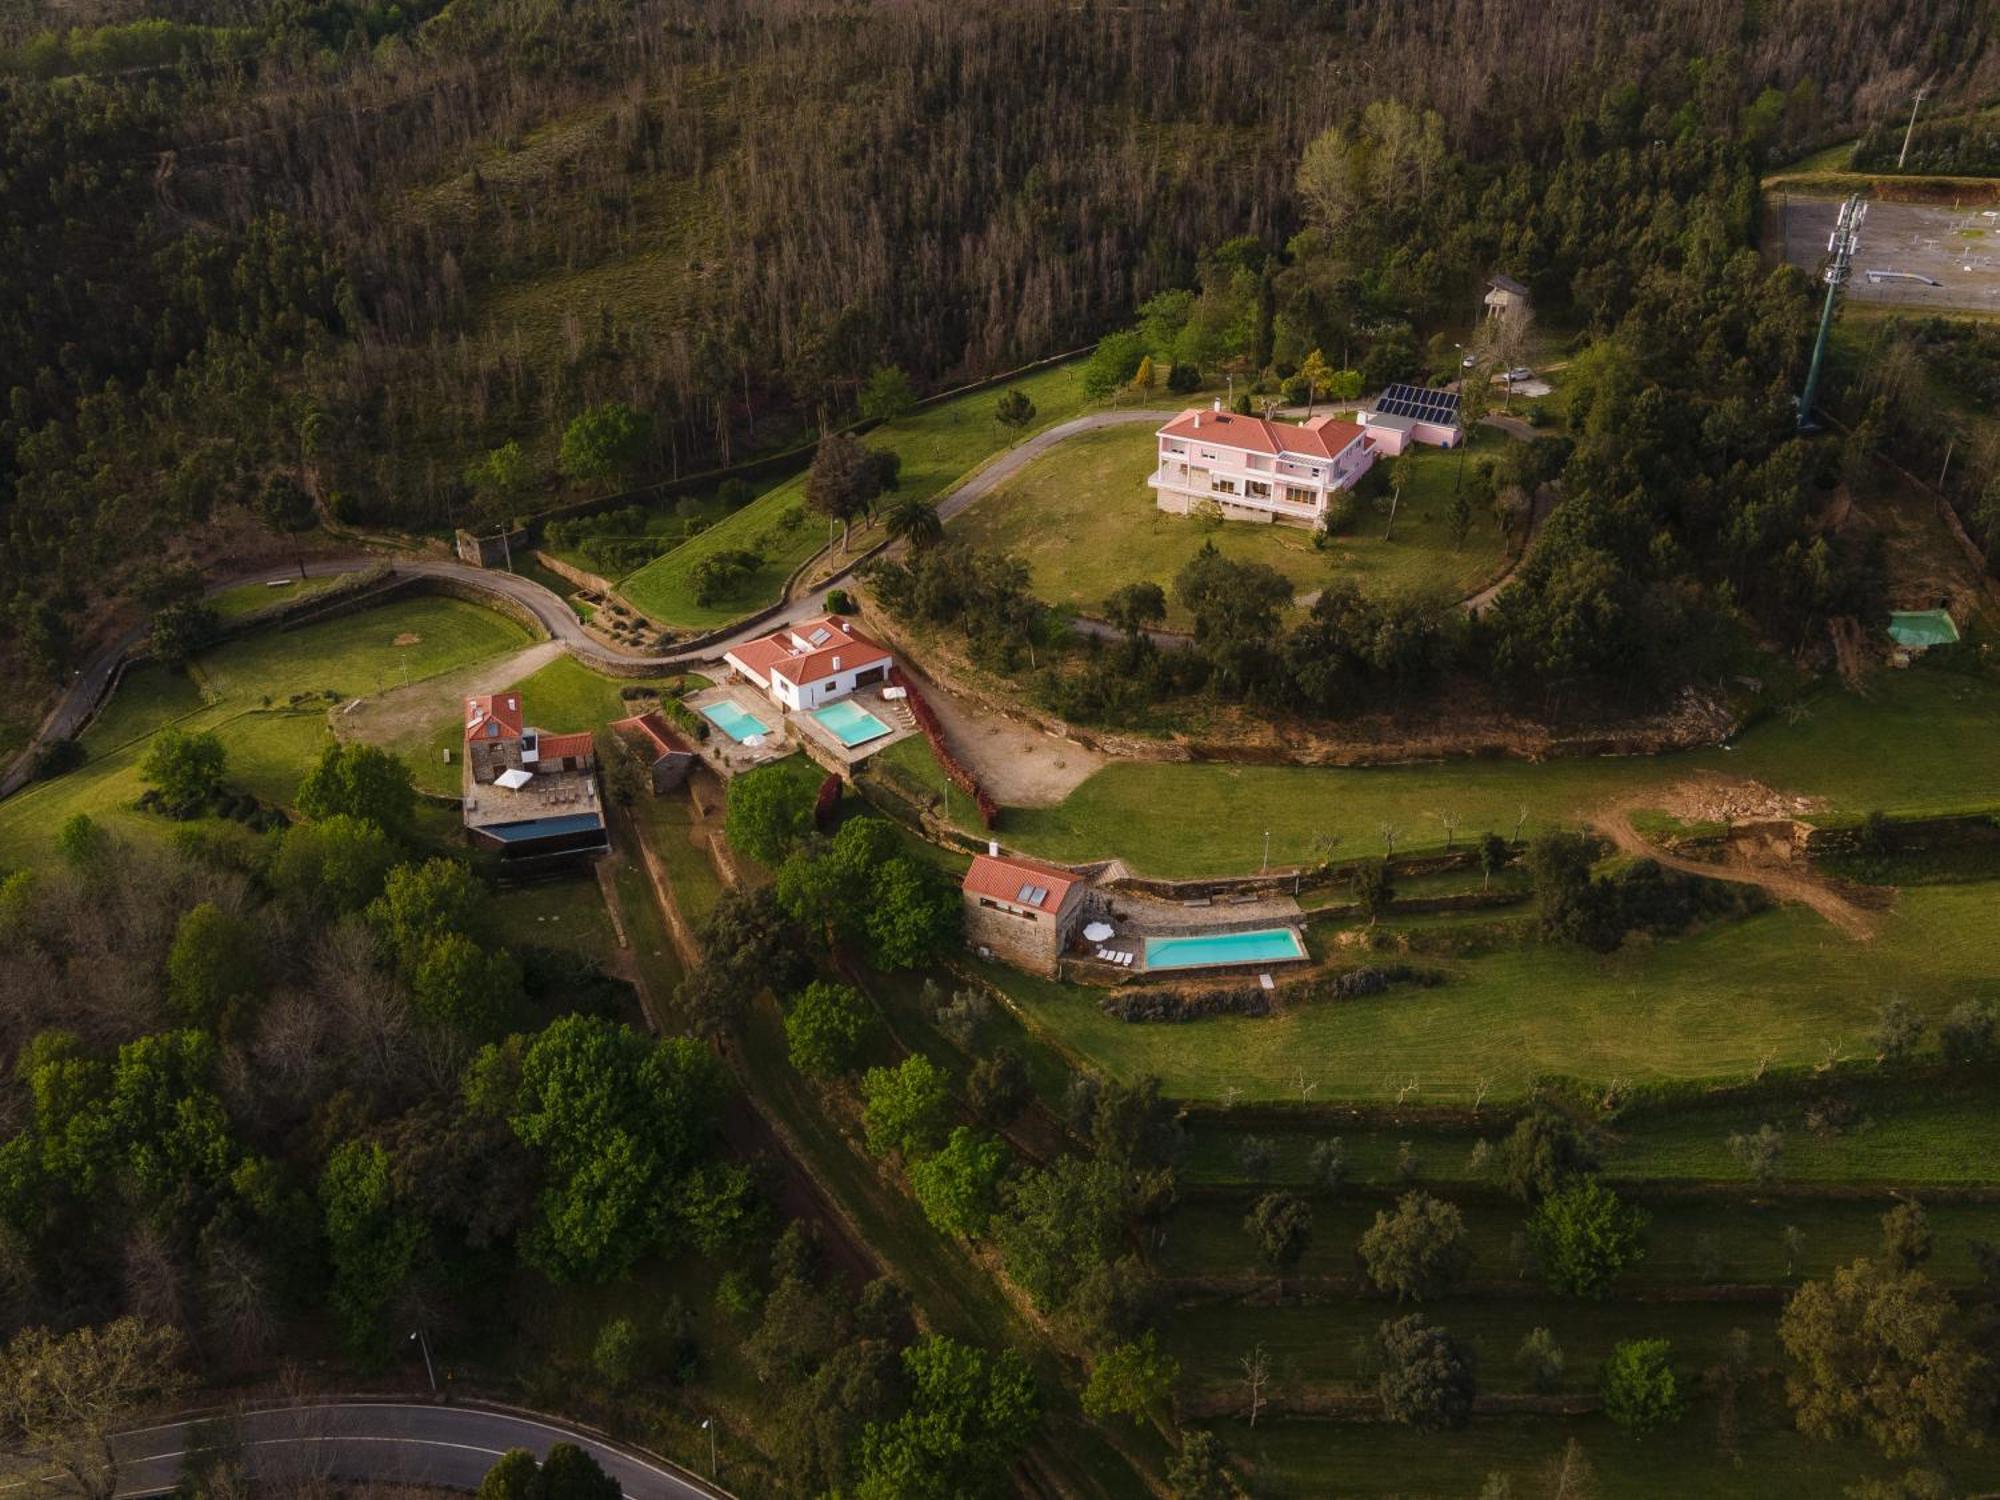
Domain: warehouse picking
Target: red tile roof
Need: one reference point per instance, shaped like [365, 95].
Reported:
[556, 746]
[503, 709]
[791, 654]
[652, 726]
[1001, 878]
[1320, 439]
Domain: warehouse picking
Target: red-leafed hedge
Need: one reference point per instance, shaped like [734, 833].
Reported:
[826, 806]
[964, 780]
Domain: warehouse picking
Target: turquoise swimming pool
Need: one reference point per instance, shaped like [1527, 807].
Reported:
[850, 723]
[732, 721]
[1267, 945]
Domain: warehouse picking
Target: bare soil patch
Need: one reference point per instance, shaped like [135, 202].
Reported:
[1742, 863]
[407, 638]
[406, 713]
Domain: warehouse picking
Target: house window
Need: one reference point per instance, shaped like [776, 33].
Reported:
[1000, 906]
[1225, 486]
[1298, 496]
[1256, 489]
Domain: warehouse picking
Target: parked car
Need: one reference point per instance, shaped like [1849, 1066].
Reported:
[1518, 373]
[1468, 362]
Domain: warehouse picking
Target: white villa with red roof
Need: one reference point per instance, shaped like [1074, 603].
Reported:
[1258, 470]
[811, 663]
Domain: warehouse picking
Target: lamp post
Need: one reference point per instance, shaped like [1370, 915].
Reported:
[425, 1345]
[1267, 852]
[708, 1426]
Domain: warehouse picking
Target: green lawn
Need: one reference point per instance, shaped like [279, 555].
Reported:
[242, 691]
[939, 444]
[1901, 1134]
[1205, 1238]
[1379, 1461]
[1083, 519]
[1782, 986]
[248, 598]
[1918, 742]
[558, 913]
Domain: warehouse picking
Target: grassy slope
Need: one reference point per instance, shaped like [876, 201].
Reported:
[1780, 985]
[939, 444]
[1919, 742]
[1933, 1135]
[1084, 521]
[248, 598]
[269, 746]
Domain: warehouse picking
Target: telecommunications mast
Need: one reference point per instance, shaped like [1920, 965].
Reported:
[1840, 247]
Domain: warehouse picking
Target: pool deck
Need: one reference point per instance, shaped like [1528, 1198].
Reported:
[894, 713]
[786, 732]
[1134, 919]
[730, 756]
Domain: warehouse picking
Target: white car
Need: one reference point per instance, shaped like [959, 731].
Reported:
[1468, 362]
[1520, 372]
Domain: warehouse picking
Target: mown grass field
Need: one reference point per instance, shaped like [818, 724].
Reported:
[1779, 987]
[1082, 518]
[938, 444]
[1919, 742]
[242, 691]
[248, 598]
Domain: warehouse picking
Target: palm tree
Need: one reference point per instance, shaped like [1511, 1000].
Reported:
[915, 522]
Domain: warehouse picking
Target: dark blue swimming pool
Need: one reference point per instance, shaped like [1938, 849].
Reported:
[544, 828]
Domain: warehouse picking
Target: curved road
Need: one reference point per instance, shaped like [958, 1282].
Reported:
[84, 694]
[388, 1442]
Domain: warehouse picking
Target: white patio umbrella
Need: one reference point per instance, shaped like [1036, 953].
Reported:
[1097, 932]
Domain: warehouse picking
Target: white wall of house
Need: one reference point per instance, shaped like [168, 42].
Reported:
[811, 695]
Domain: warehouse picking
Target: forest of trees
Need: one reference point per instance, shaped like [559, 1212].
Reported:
[249, 253]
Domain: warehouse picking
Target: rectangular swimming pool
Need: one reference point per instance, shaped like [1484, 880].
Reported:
[732, 721]
[850, 723]
[1267, 945]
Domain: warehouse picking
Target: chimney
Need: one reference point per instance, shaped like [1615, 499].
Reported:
[1217, 406]
[993, 848]
[1197, 419]
[836, 664]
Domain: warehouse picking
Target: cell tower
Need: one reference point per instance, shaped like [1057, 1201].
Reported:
[1840, 248]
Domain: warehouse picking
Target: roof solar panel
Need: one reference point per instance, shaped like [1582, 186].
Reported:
[820, 636]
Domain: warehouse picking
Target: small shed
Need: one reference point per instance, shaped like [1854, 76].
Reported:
[667, 756]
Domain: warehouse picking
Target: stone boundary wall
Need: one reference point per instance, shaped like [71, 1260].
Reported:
[581, 577]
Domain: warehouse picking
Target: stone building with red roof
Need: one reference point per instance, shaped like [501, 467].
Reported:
[1022, 910]
[1254, 469]
[528, 794]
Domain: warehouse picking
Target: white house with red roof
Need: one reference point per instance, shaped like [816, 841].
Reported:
[811, 663]
[1258, 470]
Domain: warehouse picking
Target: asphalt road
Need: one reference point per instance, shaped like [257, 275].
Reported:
[382, 1441]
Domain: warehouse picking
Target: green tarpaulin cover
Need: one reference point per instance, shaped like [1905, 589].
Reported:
[1922, 627]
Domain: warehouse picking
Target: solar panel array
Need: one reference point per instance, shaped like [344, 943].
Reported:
[1420, 404]
[1032, 894]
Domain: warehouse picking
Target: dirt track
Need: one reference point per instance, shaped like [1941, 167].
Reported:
[1615, 823]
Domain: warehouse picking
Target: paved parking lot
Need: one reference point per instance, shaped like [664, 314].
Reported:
[1957, 247]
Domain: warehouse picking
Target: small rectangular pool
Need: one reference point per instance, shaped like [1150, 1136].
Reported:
[850, 723]
[732, 720]
[1267, 945]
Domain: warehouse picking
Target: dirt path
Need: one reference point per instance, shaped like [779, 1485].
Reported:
[404, 714]
[1615, 823]
[1017, 761]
